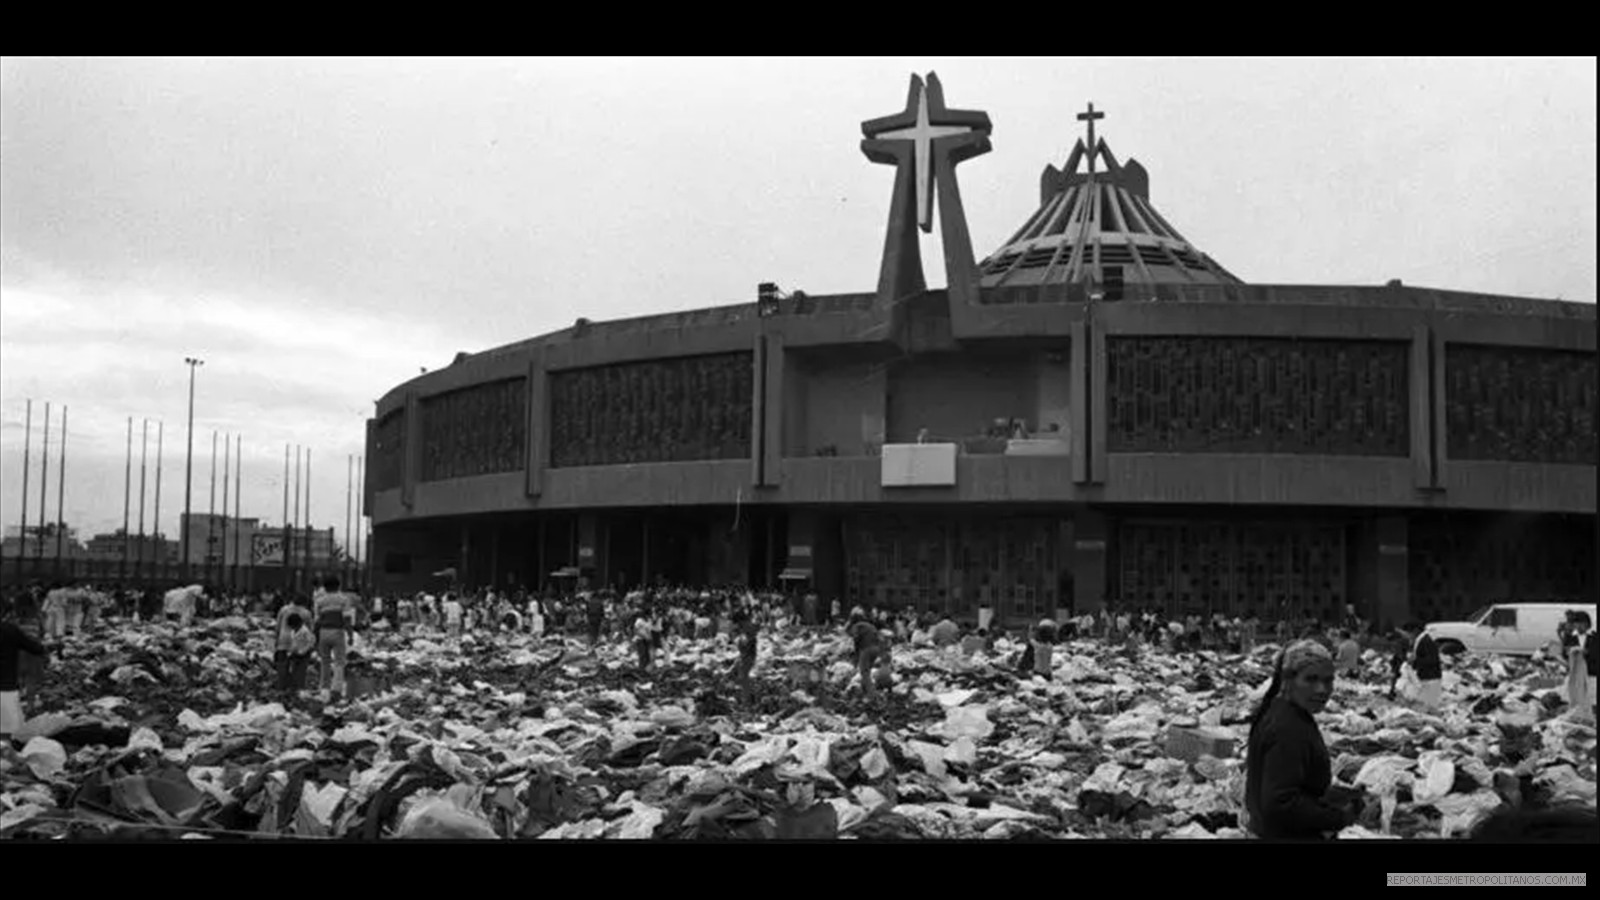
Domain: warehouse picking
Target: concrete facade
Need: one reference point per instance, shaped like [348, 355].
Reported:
[835, 381]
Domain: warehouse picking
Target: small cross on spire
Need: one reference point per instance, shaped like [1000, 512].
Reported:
[1090, 117]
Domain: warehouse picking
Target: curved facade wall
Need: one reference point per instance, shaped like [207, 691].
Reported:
[1365, 404]
[1154, 427]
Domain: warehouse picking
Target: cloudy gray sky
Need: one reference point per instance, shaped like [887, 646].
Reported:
[317, 230]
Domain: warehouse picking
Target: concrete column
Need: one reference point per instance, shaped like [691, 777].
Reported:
[1078, 403]
[1097, 403]
[1420, 375]
[758, 410]
[413, 452]
[538, 423]
[772, 390]
[1091, 531]
[1441, 431]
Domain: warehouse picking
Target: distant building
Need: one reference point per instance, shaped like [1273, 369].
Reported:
[34, 540]
[226, 541]
[220, 540]
[111, 546]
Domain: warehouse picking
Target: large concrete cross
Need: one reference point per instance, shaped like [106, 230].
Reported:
[922, 134]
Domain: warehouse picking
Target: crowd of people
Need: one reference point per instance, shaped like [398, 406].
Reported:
[1288, 776]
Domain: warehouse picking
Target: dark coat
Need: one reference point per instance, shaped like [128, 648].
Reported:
[1287, 773]
[1426, 660]
[13, 641]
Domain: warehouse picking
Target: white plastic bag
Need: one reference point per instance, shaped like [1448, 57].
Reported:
[1437, 773]
[441, 820]
[45, 757]
[967, 722]
[962, 752]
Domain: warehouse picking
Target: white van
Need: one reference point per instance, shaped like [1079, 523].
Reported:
[1515, 629]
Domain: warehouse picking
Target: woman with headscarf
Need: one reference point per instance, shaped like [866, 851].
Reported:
[1580, 664]
[1287, 769]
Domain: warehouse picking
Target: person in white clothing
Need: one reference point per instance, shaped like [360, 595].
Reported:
[55, 613]
[182, 602]
[453, 615]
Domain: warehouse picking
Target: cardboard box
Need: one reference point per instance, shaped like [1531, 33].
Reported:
[1192, 743]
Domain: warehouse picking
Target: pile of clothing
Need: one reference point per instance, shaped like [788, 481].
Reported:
[173, 731]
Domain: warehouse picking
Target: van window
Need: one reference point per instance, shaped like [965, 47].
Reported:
[1502, 617]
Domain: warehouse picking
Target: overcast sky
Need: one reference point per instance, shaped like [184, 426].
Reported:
[317, 230]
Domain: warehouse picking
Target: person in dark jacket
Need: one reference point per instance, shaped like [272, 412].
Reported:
[1287, 769]
[13, 642]
[1400, 644]
[1430, 670]
[595, 606]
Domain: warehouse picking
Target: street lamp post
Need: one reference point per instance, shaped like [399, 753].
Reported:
[188, 463]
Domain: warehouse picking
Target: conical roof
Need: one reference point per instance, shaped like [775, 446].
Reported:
[1095, 224]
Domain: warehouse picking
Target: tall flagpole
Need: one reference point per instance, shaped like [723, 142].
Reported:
[308, 506]
[211, 516]
[27, 441]
[349, 487]
[362, 544]
[144, 455]
[44, 485]
[188, 466]
[161, 543]
[127, 498]
[301, 561]
[227, 471]
[61, 493]
[238, 490]
[284, 550]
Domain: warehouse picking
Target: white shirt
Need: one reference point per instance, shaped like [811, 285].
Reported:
[452, 610]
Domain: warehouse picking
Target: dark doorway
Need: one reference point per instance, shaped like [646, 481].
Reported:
[768, 548]
[625, 551]
[558, 545]
[678, 550]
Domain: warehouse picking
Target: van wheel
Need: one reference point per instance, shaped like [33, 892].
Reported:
[1452, 648]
